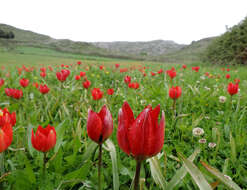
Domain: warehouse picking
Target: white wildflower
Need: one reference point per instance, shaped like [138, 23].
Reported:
[211, 145]
[202, 141]
[222, 99]
[197, 132]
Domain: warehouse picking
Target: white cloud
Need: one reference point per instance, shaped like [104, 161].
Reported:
[120, 20]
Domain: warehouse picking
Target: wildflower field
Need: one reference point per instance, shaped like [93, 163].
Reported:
[121, 125]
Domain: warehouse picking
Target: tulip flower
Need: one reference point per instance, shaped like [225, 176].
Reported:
[82, 74]
[160, 71]
[236, 80]
[24, 82]
[99, 128]
[110, 91]
[196, 69]
[78, 62]
[77, 77]
[43, 74]
[44, 89]
[117, 65]
[86, 84]
[14, 93]
[228, 76]
[232, 88]
[5, 116]
[44, 140]
[97, 94]
[7, 120]
[184, 66]
[175, 92]
[172, 73]
[1, 82]
[142, 137]
[127, 79]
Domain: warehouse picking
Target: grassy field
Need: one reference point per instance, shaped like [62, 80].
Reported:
[72, 164]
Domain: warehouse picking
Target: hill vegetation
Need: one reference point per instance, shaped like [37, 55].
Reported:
[28, 42]
[231, 47]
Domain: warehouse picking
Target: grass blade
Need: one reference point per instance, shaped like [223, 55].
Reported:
[111, 148]
[181, 173]
[195, 173]
[156, 172]
[228, 182]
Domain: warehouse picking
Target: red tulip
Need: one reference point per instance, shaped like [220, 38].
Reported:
[237, 81]
[171, 73]
[110, 91]
[24, 82]
[14, 93]
[127, 79]
[123, 70]
[101, 67]
[82, 74]
[117, 65]
[61, 76]
[175, 92]
[160, 71]
[44, 89]
[1, 82]
[134, 85]
[97, 94]
[43, 74]
[232, 88]
[77, 77]
[142, 137]
[44, 139]
[99, 125]
[228, 70]
[228, 76]
[35, 84]
[43, 69]
[86, 84]
[7, 120]
[78, 62]
[6, 117]
[196, 69]
[184, 66]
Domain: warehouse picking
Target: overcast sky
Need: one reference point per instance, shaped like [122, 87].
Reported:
[124, 20]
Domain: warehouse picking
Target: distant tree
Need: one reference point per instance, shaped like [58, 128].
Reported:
[231, 47]
[7, 35]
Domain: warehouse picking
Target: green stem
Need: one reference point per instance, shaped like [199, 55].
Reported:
[137, 174]
[2, 163]
[44, 164]
[174, 108]
[99, 166]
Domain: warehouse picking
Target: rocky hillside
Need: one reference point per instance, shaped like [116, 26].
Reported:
[148, 49]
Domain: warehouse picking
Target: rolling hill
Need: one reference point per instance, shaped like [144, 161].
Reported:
[157, 50]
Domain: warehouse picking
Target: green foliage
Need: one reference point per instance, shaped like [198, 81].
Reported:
[231, 47]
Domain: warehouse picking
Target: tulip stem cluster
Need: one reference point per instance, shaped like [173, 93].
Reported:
[99, 166]
[137, 174]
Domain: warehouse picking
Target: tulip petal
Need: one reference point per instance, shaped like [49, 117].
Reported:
[107, 123]
[94, 126]
[2, 142]
[136, 133]
[51, 139]
[8, 134]
[155, 114]
[125, 119]
[160, 135]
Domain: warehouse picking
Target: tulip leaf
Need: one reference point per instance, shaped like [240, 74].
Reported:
[195, 173]
[233, 148]
[90, 149]
[221, 177]
[29, 143]
[111, 148]
[156, 172]
[60, 129]
[181, 173]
